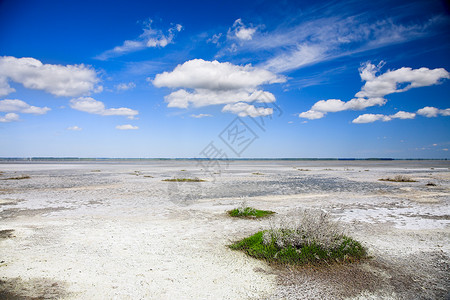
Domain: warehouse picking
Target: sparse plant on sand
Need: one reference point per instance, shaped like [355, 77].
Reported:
[257, 173]
[305, 237]
[17, 178]
[244, 211]
[398, 178]
[184, 180]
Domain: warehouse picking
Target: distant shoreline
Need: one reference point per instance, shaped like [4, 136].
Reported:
[56, 159]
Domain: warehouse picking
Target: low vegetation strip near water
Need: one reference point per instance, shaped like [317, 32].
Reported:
[310, 237]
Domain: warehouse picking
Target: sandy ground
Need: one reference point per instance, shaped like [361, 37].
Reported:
[115, 230]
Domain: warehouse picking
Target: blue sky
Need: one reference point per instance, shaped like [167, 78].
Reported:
[235, 79]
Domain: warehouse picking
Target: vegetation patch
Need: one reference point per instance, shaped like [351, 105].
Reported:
[308, 237]
[184, 180]
[249, 212]
[6, 234]
[398, 178]
[149, 176]
[431, 184]
[17, 178]
[95, 171]
[257, 173]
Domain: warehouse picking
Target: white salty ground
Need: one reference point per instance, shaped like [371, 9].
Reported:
[115, 230]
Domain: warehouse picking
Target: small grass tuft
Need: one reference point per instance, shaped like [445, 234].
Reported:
[184, 180]
[398, 178]
[249, 212]
[304, 170]
[17, 178]
[244, 211]
[257, 173]
[95, 171]
[309, 237]
[431, 184]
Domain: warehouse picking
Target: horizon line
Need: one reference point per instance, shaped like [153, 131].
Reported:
[73, 158]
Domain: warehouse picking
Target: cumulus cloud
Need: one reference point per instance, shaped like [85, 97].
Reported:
[58, 80]
[201, 97]
[214, 75]
[403, 115]
[369, 118]
[125, 86]
[427, 111]
[15, 105]
[244, 109]
[203, 83]
[240, 31]
[430, 112]
[199, 116]
[149, 38]
[92, 106]
[311, 115]
[74, 128]
[397, 81]
[10, 117]
[127, 127]
[444, 112]
[376, 87]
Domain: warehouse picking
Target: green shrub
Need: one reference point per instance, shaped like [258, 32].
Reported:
[244, 211]
[308, 238]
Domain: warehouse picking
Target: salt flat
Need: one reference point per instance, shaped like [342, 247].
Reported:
[115, 230]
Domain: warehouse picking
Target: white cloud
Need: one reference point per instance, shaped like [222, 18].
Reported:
[201, 97]
[369, 118]
[125, 86]
[394, 81]
[149, 38]
[430, 112]
[204, 83]
[127, 127]
[213, 75]
[403, 115]
[331, 105]
[240, 31]
[11, 105]
[10, 117]
[58, 80]
[201, 116]
[74, 128]
[215, 38]
[427, 111]
[244, 109]
[376, 87]
[322, 107]
[92, 106]
[311, 115]
[445, 112]
[325, 39]
[302, 55]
